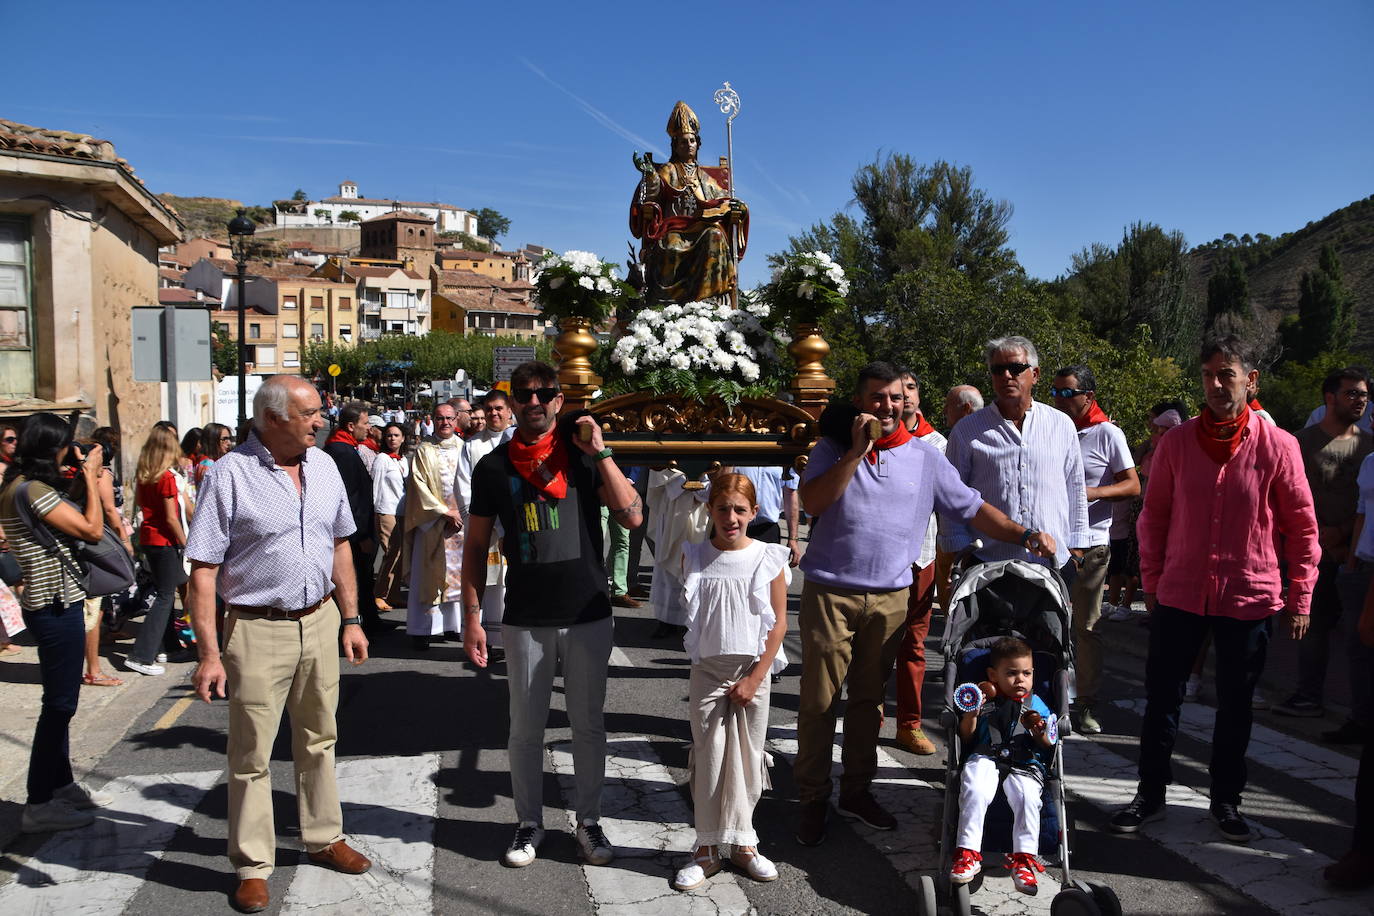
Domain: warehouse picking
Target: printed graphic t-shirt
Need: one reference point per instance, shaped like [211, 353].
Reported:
[553, 547]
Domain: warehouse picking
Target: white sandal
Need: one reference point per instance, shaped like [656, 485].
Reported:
[756, 866]
[694, 875]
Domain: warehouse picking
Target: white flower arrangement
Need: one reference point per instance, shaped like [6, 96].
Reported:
[805, 286]
[701, 347]
[578, 284]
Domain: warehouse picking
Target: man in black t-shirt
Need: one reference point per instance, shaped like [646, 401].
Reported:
[547, 487]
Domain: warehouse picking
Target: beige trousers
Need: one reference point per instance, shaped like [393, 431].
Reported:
[275, 665]
[1086, 598]
[389, 544]
[728, 764]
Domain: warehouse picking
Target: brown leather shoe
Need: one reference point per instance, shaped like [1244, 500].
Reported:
[624, 601]
[340, 857]
[915, 740]
[251, 895]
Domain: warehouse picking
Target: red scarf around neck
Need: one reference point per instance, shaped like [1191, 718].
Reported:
[369, 442]
[899, 436]
[543, 464]
[923, 427]
[342, 435]
[1092, 416]
[1220, 439]
[395, 456]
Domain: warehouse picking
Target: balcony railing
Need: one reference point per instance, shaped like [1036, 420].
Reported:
[370, 333]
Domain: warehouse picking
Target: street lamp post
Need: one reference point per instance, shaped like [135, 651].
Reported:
[240, 234]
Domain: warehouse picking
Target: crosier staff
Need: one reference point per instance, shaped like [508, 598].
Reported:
[728, 101]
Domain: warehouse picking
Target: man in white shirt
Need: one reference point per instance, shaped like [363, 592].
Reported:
[1023, 457]
[499, 428]
[1109, 477]
[911, 654]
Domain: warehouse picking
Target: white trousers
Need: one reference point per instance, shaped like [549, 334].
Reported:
[977, 789]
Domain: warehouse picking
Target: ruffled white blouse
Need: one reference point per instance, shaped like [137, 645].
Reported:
[729, 599]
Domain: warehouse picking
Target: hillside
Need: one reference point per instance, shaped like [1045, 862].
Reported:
[1274, 266]
[209, 215]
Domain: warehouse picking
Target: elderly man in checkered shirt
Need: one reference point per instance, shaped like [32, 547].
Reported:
[271, 529]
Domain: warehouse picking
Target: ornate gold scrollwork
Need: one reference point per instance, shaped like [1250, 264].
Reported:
[641, 413]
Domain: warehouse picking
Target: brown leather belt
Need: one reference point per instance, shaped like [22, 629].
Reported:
[276, 613]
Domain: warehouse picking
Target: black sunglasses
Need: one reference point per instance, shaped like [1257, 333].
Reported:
[1068, 392]
[525, 395]
[10, 439]
[1012, 369]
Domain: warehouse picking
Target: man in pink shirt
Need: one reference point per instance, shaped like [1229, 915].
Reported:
[1228, 501]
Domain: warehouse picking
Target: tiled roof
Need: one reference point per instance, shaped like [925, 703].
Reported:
[279, 270]
[400, 214]
[462, 254]
[167, 273]
[175, 295]
[383, 201]
[490, 300]
[465, 278]
[24, 138]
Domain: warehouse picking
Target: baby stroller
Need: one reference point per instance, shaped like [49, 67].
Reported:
[990, 601]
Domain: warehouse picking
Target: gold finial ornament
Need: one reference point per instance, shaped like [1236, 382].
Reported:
[683, 121]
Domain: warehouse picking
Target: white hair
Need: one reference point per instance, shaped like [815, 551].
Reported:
[274, 397]
[1013, 342]
[967, 394]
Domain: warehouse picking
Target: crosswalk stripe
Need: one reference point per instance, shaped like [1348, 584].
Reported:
[913, 848]
[644, 815]
[1273, 869]
[97, 870]
[390, 805]
[1320, 766]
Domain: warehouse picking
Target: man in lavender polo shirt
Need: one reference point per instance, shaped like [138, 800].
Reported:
[271, 531]
[871, 499]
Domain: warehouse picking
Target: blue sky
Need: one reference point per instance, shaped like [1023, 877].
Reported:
[1203, 117]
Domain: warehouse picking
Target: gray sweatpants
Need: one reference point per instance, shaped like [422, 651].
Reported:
[532, 657]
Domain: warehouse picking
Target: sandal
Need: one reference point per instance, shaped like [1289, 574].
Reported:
[10, 648]
[754, 865]
[695, 874]
[101, 680]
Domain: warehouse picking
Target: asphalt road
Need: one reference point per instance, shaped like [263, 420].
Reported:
[423, 773]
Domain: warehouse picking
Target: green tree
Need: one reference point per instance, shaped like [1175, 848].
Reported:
[224, 352]
[299, 195]
[1228, 291]
[491, 224]
[1325, 321]
[350, 216]
[324, 215]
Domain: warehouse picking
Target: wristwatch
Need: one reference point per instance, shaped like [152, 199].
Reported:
[604, 454]
[1027, 535]
[355, 621]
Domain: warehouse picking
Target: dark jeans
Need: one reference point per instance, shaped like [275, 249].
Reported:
[1352, 588]
[60, 632]
[165, 565]
[1315, 649]
[362, 573]
[1175, 638]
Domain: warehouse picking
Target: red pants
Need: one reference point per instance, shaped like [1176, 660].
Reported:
[911, 655]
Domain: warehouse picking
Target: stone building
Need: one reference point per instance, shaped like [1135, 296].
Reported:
[79, 239]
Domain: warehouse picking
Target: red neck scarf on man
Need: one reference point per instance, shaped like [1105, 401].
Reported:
[371, 443]
[899, 436]
[1255, 405]
[543, 464]
[1221, 438]
[344, 436]
[1092, 416]
[922, 427]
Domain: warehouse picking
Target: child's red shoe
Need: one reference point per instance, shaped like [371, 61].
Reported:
[1023, 867]
[967, 865]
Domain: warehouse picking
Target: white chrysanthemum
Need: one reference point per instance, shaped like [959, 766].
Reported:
[724, 361]
[672, 339]
[748, 369]
[629, 365]
[679, 361]
[604, 285]
[672, 311]
[806, 289]
[737, 342]
[586, 283]
[808, 270]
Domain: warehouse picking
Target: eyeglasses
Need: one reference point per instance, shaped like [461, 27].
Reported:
[1068, 392]
[226, 438]
[1012, 369]
[445, 419]
[525, 395]
[10, 439]
[1352, 394]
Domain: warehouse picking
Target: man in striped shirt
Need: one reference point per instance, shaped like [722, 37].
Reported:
[1023, 457]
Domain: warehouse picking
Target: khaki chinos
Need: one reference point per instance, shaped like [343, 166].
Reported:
[847, 636]
[274, 665]
[1086, 597]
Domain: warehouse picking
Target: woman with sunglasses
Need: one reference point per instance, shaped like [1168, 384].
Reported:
[52, 602]
[215, 442]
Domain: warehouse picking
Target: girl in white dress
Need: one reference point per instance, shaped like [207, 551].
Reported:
[735, 589]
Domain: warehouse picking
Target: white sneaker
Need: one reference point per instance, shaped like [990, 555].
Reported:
[82, 796]
[1193, 689]
[591, 839]
[58, 814]
[524, 845]
[694, 875]
[757, 867]
[150, 670]
[162, 658]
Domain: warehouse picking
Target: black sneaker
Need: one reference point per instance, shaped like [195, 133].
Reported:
[1142, 809]
[1301, 707]
[863, 806]
[1348, 733]
[811, 824]
[1230, 824]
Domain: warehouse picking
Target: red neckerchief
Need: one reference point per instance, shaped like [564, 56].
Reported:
[1092, 416]
[369, 443]
[899, 436]
[344, 436]
[396, 456]
[1221, 439]
[1255, 405]
[922, 428]
[543, 464]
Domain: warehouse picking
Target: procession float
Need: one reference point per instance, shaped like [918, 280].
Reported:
[699, 371]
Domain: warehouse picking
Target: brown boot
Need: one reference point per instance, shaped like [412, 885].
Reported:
[340, 857]
[251, 895]
[915, 740]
